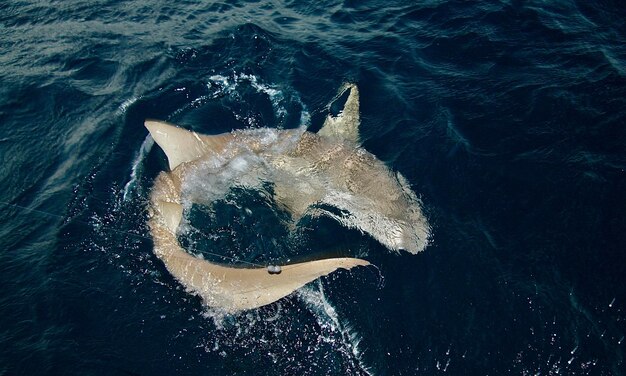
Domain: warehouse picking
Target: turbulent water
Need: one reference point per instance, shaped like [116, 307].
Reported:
[508, 119]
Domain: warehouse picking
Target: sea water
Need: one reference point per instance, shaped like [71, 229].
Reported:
[506, 117]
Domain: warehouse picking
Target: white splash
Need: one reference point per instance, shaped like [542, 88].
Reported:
[213, 178]
[328, 320]
[145, 148]
[126, 104]
[227, 85]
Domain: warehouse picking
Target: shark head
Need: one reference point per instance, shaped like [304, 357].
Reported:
[309, 173]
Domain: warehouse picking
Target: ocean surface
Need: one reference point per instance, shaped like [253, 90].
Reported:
[508, 118]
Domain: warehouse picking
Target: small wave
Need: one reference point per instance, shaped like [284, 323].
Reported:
[614, 61]
[126, 104]
[276, 96]
[329, 322]
[146, 146]
[228, 85]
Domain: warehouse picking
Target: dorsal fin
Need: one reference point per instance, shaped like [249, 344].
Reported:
[181, 145]
[346, 124]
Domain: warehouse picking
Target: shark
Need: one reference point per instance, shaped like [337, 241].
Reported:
[327, 173]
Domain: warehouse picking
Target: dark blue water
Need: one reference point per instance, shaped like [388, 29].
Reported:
[507, 117]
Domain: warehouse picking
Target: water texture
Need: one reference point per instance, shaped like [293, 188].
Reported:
[508, 119]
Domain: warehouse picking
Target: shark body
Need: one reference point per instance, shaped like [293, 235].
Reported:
[308, 172]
